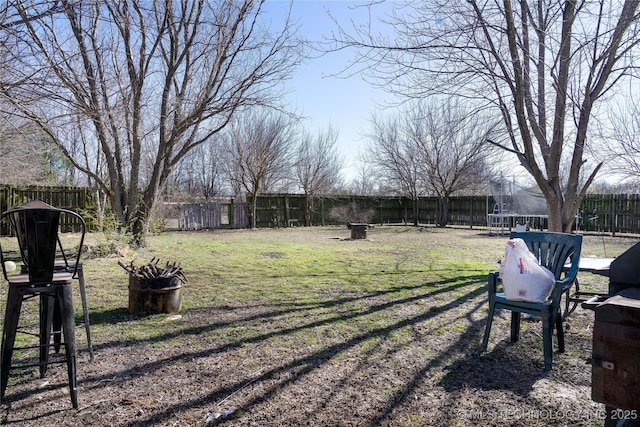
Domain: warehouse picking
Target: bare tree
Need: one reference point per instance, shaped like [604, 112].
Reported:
[544, 66]
[433, 148]
[624, 145]
[28, 157]
[454, 148]
[17, 153]
[128, 88]
[317, 166]
[259, 149]
[397, 159]
[200, 172]
[364, 183]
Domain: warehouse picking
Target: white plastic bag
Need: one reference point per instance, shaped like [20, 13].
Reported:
[523, 278]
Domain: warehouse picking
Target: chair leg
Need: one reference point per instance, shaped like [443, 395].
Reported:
[547, 339]
[68, 327]
[11, 317]
[85, 311]
[560, 329]
[515, 326]
[57, 329]
[487, 329]
[47, 310]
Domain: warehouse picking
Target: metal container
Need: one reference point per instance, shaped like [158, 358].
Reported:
[147, 297]
[615, 375]
[624, 272]
[358, 231]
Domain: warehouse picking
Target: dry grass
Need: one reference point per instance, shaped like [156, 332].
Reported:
[306, 327]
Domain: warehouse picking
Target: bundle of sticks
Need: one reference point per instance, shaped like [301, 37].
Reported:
[152, 271]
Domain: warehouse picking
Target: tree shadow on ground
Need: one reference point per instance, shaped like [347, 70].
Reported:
[296, 369]
[461, 294]
[501, 369]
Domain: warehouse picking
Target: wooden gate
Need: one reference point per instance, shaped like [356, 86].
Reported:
[203, 216]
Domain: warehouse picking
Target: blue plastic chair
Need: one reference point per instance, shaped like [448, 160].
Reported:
[553, 251]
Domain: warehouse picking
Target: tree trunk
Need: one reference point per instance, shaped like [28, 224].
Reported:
[138, 228]
[554, 215]
[254, 206]
[416, 211]
[561, 214]
[307, 211]
[443, 212]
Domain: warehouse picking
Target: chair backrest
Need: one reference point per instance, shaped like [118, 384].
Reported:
[35, 225]
[553, 249]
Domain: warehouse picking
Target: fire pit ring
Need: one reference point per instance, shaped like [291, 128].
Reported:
[154, 290]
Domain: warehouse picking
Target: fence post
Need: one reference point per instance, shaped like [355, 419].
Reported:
[614, 202]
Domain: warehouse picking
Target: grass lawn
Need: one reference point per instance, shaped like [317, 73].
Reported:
[305, 326]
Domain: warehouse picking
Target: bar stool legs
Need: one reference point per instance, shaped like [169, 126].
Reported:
[57, 298]
[69, 330]
[47, 315]
[11, 317]
[85, 310]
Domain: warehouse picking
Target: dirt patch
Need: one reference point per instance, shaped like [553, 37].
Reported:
[435, 377]
[408, 355]
[274, 255]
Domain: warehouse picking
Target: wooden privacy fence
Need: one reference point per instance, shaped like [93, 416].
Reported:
[603, 213]
[77, 199]
[285, 210]
[609, 213]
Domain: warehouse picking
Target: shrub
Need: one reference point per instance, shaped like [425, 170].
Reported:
[351, 213]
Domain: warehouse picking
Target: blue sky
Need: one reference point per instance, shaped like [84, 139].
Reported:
[346, 103]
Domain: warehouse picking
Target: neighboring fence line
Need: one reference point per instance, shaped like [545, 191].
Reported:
[73, 198]
[284, 210]
[611, 213]
[77, 199]
[608, 213]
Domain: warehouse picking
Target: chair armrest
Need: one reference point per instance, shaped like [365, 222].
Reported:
[492, 282]
[563, 285]
[567, 281]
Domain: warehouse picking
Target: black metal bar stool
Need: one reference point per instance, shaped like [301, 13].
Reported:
[35, 225]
